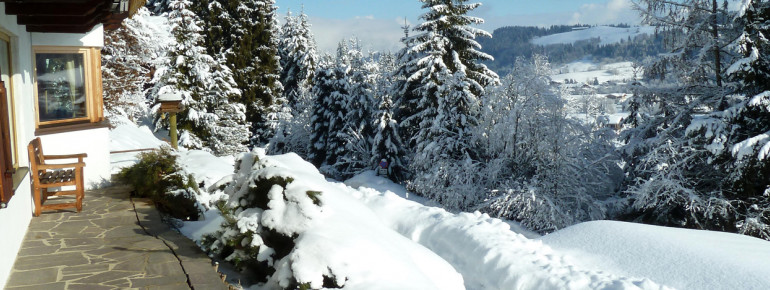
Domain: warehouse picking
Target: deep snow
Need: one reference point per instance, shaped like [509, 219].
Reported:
[427, 244]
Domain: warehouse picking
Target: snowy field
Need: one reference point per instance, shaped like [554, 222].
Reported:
[606, 34]
[381, 237]
[585, 71]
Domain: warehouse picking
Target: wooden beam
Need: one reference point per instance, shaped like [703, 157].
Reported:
[56, 8]
[59, 20]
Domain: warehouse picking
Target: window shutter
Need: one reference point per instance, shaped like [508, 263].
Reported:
[6, 167]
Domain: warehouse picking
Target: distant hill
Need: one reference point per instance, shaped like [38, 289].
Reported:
[567, 43]
[605, 34]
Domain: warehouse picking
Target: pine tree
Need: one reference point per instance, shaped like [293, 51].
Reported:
[298, 57]
[359, 88]
[404, 88]
[696, 32]
[158, 7]
[387, 142]
[737, 137]
[128, 57]
[320, 117]
[671, 179]
[245, 35]
[208, 119]
[255, 63]
[451, 80]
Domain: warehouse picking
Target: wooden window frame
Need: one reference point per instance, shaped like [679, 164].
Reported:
[92, 62]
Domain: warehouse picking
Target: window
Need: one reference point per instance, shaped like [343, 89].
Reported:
[68, 86]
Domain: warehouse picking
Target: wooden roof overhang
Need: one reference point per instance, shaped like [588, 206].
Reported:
[70, 16]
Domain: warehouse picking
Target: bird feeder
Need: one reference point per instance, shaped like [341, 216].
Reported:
[171, 104]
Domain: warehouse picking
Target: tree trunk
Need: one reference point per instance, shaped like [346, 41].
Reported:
[715, 35]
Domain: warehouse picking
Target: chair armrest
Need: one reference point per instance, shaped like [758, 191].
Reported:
[81, 155]
[61, 166]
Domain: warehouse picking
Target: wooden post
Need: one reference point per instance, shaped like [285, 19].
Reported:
[172, 120]
[171, 104]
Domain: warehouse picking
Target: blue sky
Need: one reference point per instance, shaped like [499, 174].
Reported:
[377, 22]
[343, 9]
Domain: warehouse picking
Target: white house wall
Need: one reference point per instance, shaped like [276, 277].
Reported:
[94, 38]
[15, 219]
[94, 142]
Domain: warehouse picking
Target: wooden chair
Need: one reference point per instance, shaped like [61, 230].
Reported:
[45, 176]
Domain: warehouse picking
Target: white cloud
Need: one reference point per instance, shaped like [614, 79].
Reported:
[611, 12]
[375, 34]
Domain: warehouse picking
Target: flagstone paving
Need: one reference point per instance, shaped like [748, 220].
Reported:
[114, 243]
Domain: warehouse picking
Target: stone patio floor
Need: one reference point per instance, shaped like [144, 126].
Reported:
[114, 243]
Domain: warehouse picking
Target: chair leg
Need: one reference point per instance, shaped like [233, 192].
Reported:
[80, 189]
[36, 192]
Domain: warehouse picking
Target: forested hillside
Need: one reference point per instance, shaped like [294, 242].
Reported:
[509, 43]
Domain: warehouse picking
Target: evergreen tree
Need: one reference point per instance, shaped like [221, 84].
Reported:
[158, 7]
[451, 80]
[387, 142]
[255, 63]
[404, 88]
[298, 57]
[697, 33]
[321, 117]
[128, 57]
[245, 35]
[208, 119]
[737, 138]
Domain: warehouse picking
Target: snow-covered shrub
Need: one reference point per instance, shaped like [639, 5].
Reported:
[265, 213]
[159, 177]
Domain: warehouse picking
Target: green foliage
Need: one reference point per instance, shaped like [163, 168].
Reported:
[158, 177]
[249, 238]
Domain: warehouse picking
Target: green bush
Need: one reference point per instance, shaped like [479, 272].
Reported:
[158, 176]
[252, 244]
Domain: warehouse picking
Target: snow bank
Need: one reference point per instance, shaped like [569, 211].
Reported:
[334, 236]
[486, 252]
[681, 258]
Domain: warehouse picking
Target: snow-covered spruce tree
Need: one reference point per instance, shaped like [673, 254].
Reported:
[737, 137]
[266, 210]
[671, 179]
[320, 117]
[450, 81]
[404, 89]
[298, 62]
[358, 90]
[158, 7]
[696, 32]
[294, 133]
[245, 34]
[298, 57]
[255, 63]
[387, 141]
[547, 170]
[205, 85]
[128, 57]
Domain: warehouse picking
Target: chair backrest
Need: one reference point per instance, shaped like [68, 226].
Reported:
[36, 156]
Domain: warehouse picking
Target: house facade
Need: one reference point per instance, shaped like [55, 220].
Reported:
[50, 68]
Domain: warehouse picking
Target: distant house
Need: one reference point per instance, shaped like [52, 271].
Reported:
[614, 121]
[50, 68]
